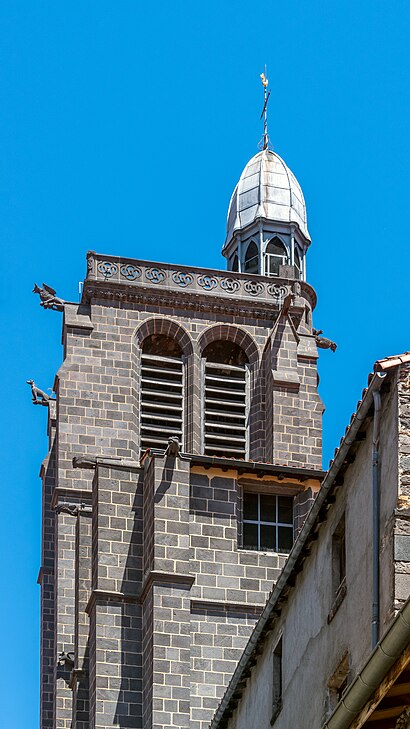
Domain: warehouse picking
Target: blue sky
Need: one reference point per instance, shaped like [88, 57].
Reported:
[123, 128]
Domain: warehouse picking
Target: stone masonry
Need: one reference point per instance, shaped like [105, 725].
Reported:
[145, 581]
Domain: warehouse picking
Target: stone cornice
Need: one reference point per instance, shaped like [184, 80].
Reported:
[171, 578]
[108, 596]
[157, 577]
[166, 285]
[231, 607]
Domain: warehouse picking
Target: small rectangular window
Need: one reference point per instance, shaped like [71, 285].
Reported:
[337, 684]
[338, 568]
[339, 556]
[267, 522]
[276, 681]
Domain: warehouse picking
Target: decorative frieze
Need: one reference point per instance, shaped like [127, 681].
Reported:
[192, 281]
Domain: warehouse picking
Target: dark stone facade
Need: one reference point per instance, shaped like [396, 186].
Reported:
[143, 575]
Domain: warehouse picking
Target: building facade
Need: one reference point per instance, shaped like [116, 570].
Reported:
[333, 643]
[184, 455]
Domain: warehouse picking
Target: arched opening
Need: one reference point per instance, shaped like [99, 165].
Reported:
[235, 262]
[225, 399]
[162, 391]
[275, 255]
[297, 263]
[251, 264]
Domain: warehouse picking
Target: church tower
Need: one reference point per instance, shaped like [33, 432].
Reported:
[185, 451]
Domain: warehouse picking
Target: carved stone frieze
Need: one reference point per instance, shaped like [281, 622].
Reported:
[107, 268]
[231, 285]
[207, 282]
[254, 288]
[130, 272]
[155, 275]
[182, 301]
[278, 292]
[143, 274]
[182, 278]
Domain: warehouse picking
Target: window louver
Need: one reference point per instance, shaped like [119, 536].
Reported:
[225, 409]
[161, 400]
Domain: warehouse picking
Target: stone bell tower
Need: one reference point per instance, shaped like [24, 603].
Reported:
[185, 450]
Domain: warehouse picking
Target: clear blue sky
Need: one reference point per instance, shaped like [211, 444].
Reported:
[124, 129]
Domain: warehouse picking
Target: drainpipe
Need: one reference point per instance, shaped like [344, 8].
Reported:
[376, 518]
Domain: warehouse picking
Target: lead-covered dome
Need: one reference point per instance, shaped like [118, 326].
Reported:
[267, 189]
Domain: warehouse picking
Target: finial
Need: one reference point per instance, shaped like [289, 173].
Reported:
[264, 143]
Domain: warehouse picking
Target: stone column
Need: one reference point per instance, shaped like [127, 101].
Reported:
[46, 581]
[80, 674]
[166, 595]
[114, 609]
[64, 607]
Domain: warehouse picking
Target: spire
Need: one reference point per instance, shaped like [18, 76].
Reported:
[264, 143]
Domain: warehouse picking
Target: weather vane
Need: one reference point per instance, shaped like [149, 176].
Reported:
[264, 143]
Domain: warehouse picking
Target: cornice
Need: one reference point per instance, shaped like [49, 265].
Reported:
[178, 300]
[167, 285]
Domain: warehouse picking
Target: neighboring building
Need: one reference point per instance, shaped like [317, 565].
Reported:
[331, 649]
[184, 454]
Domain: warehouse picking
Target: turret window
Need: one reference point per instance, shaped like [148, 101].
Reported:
[225, 400]
[275, 255]
[297, 263]
[162, 386]
[252, 258]
[235, 262]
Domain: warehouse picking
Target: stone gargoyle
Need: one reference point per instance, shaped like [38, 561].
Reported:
[39, 396]
[322, 342]
[173, 447]
[66, 659]
[48, 298]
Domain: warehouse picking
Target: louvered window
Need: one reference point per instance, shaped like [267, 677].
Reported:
[162, 388]
[225, 400]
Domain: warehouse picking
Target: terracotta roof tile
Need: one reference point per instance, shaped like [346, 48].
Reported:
[393, 361]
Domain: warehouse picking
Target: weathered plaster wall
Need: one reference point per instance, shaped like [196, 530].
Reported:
[314, 642]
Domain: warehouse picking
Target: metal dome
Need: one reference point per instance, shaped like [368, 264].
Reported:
[266, 189]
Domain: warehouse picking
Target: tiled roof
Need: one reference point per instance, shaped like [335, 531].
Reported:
[396, 359]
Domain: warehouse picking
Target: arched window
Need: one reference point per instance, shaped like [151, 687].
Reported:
[235, 262]
[162, 384]
[298, 264]
[276, 255]
[252, 258]
[225, 399]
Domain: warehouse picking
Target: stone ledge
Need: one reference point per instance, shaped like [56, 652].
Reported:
[286, 378]
[77, 316]
[108, 596]
[217, 606]
[164, 578]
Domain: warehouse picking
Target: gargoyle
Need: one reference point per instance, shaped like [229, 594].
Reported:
[39, 396]
[66, 659]
[322, 342]
[173, 447]
[71, 509]
[48, 298]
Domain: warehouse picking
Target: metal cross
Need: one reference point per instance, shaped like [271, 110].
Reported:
[266, 95]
